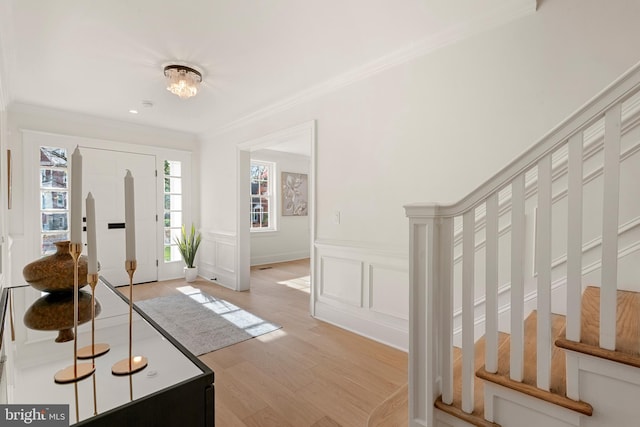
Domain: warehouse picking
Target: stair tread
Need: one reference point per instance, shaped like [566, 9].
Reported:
[477, 416]
[393, 411]
[627, 328]
[557, 391]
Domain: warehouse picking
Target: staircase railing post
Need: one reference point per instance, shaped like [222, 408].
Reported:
[427, 354]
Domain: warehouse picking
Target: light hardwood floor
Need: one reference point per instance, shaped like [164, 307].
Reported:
[309, 373]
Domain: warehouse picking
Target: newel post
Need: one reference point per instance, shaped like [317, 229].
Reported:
[429, 373]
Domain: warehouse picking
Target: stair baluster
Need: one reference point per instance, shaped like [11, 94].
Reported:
[609, 283]
[468, 315]
[491, 259]
[432, 274]
[543, 268]
[517, 278]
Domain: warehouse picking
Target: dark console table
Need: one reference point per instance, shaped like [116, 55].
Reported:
[176, 388]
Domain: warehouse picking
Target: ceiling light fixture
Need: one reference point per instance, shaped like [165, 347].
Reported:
[182, 80]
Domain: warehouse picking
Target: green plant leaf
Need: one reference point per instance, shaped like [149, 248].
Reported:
[188, 245]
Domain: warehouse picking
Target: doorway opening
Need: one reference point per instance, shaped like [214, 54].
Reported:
[292, 151]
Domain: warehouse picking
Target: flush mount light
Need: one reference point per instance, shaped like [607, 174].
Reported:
[182, 80]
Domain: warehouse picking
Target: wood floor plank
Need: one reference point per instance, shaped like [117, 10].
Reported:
[279, 398]
[307, 374]
[326, 422]
[342, 411]
[393, 412]
[267, 417]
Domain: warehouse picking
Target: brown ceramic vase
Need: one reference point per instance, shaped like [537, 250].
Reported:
[54, 312]
[54, 273]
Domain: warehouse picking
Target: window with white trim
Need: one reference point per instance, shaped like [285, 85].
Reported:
[262, 196]
[172, 209]
[54, 197]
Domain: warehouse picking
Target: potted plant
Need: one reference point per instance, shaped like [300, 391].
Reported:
[188, 245]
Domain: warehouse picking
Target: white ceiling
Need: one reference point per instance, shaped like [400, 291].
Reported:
[104, 57]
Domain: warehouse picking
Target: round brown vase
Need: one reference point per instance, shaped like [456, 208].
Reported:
[54, 273]
[54, 312]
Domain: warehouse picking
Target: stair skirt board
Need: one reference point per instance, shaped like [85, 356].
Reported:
[511, 408]
[444, 419]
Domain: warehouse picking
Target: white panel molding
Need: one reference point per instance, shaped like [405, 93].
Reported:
[593, 142]
[381, 272]
[392, 308]
[217, 258]
[555, 413]
[361, 248]
[332, 267]
[622, 252]
[493, 18]
[600, 366]
[597, 242]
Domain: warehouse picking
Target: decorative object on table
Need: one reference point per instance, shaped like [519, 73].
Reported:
[77, 371]
[93, 350]
[188, 246]
[295, 194]
[55, 273]
[54, 312]
[132, 364]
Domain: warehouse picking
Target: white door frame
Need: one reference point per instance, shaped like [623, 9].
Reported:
[243, 245]
[32, 139]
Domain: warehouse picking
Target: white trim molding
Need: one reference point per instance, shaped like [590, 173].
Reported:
[217, 257]
[493, 18]
[364, 289]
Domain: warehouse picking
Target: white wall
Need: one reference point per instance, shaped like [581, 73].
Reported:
[4, 241]
[98, 132]
[433, 129]
[292, 239]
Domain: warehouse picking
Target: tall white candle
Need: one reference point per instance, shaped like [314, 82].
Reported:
[76, 197]
[92, 250]
[129, 217]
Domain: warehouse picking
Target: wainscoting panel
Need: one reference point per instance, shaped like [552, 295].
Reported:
[217, 257]
[364, 289]
[341, 279]
[388, 289]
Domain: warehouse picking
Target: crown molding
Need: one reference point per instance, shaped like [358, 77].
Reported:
[513, 10]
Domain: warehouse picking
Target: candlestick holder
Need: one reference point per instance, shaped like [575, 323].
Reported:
[77, 371]
[132, 364]
[93, 350]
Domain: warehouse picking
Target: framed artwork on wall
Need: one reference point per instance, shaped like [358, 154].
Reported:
[295, 194]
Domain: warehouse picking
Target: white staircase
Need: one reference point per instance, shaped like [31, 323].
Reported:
[564, 215]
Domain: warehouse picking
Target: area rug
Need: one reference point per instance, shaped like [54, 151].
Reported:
[203, 323]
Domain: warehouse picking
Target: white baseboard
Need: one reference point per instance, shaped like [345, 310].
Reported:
[369, 328]
[281, 257]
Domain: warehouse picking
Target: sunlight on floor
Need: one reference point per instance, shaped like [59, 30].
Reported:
[272, 336]
[299, 283]
[250, 323]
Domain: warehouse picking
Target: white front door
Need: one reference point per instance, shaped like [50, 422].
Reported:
[103, 174]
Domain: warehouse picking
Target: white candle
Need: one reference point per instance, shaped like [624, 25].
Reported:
[92, 250]
[129, 217]
[76, 197]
